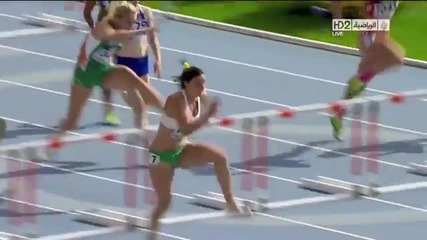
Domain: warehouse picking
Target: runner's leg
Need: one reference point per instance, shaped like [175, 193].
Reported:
[200, 155]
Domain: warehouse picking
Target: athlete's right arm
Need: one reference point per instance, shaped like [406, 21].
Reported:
[103, 31]
[87, 13]
[175, 108]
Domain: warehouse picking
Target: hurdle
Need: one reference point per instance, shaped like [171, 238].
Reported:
[117, 221]
[418, 169]
[339, 189]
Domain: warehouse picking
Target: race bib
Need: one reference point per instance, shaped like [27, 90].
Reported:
[154, 159]
[104, 56]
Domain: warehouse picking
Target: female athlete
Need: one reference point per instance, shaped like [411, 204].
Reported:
[169, 150]
[379, 53]
[134, 53]
[110, 116]
[94, 66]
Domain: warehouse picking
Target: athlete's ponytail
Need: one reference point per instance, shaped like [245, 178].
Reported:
[188, 73]
[118, 9]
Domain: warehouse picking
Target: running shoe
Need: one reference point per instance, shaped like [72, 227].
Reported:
[112, 119]
[355, 88]
[336, 122]
[2, 128]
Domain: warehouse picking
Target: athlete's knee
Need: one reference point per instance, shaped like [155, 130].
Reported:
[219, 156]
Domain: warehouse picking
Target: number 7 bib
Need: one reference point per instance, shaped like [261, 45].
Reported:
[154, 159]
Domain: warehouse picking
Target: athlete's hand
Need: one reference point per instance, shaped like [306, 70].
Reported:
[153, 29]
[157, 68]
[213, 107]
[146, 30]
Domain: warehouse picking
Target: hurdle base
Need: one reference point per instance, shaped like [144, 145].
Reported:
[216, 201]
[109, 218]
[328, 185]
[418, 169]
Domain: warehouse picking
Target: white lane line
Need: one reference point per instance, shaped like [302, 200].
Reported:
[223, 93]
[244, 64]
[11, 16]
[26, 32]
[73, 213]
[326, 150]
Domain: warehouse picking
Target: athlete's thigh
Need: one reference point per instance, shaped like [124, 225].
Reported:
[200, 154]
[78, 97]
[161, 177]
[119, 78]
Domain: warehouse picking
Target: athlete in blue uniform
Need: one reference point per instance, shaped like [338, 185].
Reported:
[110, 116]
[134, 53]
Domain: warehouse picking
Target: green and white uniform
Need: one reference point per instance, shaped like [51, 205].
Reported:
[173, 157]
[94, 61]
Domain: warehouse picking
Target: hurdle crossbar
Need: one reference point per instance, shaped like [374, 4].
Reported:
[326, 106]
[75, 139]
[267, 113]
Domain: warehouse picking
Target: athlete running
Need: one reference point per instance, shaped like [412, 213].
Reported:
[379, 53]
[169, 149]
[110, 116]
[134, 53]
[95, 66]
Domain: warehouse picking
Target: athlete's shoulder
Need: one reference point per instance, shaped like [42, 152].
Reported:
[147, 10]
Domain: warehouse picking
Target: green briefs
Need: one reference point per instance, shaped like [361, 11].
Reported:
[172, 158]
[93, 75]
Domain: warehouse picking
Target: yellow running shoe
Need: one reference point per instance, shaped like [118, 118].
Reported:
[112, 119]
[355, 88]
[2, 128]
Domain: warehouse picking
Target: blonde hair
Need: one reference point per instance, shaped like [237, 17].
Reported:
[118, 9]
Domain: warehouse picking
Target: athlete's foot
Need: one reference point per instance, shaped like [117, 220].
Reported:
[355, 87]
[2, 128]
[336, 123]
[239, 211]
[112, 119]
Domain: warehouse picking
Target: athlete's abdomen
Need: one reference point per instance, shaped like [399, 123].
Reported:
[137, 46]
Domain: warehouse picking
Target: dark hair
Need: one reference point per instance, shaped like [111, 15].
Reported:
[187, 75]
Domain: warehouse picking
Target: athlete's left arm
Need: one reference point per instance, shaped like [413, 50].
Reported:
[153, 38]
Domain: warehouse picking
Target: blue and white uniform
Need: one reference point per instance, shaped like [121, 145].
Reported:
[135, 52]
[104, 4]
[103, 7]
